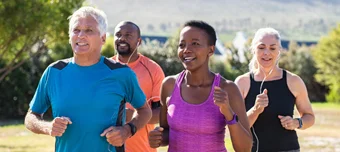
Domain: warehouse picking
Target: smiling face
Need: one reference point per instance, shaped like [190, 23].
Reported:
[85, 37]
[126, 38]
[193, 48]
[267, 51]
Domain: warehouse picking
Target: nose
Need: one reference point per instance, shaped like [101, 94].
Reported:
[187, 49]
[81, 34]
[266, 51]
[122, 38]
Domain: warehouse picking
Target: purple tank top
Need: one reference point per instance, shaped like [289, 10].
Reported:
[195, 127]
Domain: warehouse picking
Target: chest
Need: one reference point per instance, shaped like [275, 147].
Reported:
[145, 80]
[204, 118]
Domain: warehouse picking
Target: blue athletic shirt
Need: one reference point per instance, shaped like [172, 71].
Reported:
[93, 97]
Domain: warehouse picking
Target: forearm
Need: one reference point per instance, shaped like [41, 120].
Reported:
[155, 116]
[252, 116]
[36, 124]
[165, 137]
[308, 120]
[142, 118]
[241, 139]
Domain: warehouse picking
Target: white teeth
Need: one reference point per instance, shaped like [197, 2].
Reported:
[82, 44]
[188, 58]
[122, 44]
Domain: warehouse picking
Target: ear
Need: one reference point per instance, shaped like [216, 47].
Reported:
[139, 42]
[211, 50]
[103, 39]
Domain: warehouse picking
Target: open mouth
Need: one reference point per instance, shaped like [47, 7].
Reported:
[267, 59]
[81, 44]
[189, 59]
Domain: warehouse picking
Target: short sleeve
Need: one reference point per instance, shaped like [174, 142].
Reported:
[158, 77]
[134, 94]
[40, 101]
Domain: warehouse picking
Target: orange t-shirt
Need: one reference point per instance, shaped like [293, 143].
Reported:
[150, 76]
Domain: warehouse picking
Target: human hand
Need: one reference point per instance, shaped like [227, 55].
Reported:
[221, 98]
[58, 126]
[155, 137]
[288, 122]
[116, 136]
[261, 101]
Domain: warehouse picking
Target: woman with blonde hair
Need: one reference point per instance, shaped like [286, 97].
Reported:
[270, 94]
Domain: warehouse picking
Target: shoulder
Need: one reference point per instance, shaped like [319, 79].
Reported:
[170, 80]
[293, 79]
[243, 79]
[60, 64]
[295, 83]
[227, 85]
[112, 64]
[150, 64]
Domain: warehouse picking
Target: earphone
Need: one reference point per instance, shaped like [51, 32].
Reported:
[265, 77]
[138, 43]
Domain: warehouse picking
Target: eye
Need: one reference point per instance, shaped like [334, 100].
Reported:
[118, 35]
[195, 43]
[272, 49]
[76, 30]
[181, 45]
[88, 30]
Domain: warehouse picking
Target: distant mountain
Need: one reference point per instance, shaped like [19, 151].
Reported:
[295, 19]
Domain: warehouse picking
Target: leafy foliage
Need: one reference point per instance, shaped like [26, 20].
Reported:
[33, 34]
[327, 56]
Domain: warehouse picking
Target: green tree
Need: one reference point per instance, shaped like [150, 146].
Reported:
[33, 34]
[28, 27]
[299, 60]
[327, 56]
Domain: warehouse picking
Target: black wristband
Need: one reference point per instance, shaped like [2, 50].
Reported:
[300, 122]
[133, 128]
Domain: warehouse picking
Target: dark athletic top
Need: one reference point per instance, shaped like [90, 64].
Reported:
[272, 136]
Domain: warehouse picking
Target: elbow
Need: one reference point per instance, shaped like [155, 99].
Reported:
[245, 146]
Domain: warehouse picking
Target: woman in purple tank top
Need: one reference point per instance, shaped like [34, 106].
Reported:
[198, 104]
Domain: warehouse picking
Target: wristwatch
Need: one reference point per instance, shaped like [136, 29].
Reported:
[233, 121]
[300, 122]
[133, 128]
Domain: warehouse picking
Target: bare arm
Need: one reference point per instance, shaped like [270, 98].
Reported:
[243, 83]
[36, 124]
[130, 113]
[302, 102]
[155, 115]
[143, 116]
[166, 91]
[240, 132]
[160, 135]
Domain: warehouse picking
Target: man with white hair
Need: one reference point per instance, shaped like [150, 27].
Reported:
[87, 93]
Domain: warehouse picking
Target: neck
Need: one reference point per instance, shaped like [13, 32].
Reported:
[125, 58]
[268, 72]
[199, 78]
[86, 60]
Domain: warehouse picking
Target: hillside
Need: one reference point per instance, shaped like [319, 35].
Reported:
[296, 19]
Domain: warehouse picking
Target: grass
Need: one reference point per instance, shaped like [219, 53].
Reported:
[323, 136]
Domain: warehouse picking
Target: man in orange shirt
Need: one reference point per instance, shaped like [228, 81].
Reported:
[150, 76]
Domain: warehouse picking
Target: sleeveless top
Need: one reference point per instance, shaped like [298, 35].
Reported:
[195, 127]
[271, 135]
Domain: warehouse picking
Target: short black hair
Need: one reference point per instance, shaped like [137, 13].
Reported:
[131, 23]
[205, 27]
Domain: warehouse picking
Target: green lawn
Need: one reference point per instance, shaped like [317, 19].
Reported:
[323, 136]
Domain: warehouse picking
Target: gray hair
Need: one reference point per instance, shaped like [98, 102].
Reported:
[260, 33]
[85, 11]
